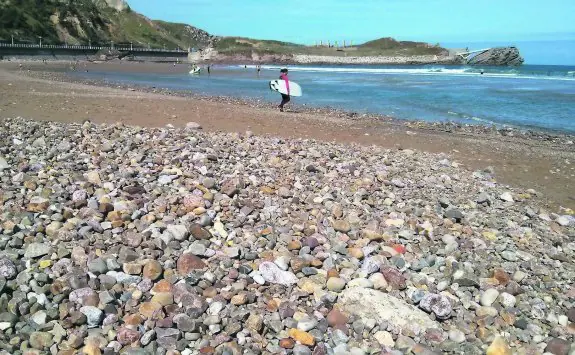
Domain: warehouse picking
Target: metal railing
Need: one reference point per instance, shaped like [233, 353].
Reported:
[121, 48]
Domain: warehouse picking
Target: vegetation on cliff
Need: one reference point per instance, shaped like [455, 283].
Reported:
[91, 21]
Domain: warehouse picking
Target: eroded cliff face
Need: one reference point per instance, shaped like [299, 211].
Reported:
[119, 5]
[500, 56]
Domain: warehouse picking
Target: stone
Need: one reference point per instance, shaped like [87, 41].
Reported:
[273, 274]
[507, 300]
[498, 347]
[454, 214]
[255, 322]
[150, 309]
[394, 277]
[489, 296]
[97, 266]
[177, 232]
[38, 204]
[457, 336]
[342, 226]
[7, 268]
[384, 339]
[126, 336]
[199, 232]
[41, 340]
[82, 295]
[93, 177]
[93, 315]
[307, 323]
[3, 163]
[301, 350]
[509, 255]
[335, 284]
[133, 268]
[369, 303]
[501, 276]
[39, 317]
[301, 336]
[35, 250]
[558, 346]
[336, 318]
[152, 270]
[438, 304]
[378, 280]
[188, 263]
[287, 343]
[239, 299]
[506, 196]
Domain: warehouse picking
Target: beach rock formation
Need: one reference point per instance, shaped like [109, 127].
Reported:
[500, 56]
[130, 240]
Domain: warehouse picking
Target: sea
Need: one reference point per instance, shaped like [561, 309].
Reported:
[540, 97]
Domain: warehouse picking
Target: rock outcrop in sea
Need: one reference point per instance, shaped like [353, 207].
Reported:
[130, 240]
[500, 56]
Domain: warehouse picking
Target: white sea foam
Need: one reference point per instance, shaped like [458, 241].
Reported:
[434, 71]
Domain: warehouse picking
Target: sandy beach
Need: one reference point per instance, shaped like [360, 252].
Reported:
[546, 167]
[127, 229]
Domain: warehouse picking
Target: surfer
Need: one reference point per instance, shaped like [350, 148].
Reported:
[285, 98]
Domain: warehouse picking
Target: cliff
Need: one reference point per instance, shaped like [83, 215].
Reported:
[95, 21]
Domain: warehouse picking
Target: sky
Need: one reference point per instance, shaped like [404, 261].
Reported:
[448, 22]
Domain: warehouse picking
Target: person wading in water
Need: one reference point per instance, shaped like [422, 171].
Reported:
[285, 98]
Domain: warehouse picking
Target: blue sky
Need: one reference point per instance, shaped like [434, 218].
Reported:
[435, 21]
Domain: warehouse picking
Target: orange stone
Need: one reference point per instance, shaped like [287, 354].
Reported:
[163, 298]
[498, 347]
[287, 343]
[294, 245]
[332, 273]
[189, 262]
[267, 255]
[316, 263]
[356, 253]
[501, 276]
[162, 286]
[133, 319]
[151, 310]
[301, 336]
[153, 270]
[114, 216]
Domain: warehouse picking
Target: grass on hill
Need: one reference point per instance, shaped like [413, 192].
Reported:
[380, 47]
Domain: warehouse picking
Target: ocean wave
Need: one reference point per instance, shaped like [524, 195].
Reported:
[432, 71]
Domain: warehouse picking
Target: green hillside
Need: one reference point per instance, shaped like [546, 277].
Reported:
[84, 21]
[383, 46]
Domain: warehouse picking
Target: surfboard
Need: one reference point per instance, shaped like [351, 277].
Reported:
[195, 71]
[280, 86]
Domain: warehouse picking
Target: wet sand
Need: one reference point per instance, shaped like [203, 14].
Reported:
[547, 167]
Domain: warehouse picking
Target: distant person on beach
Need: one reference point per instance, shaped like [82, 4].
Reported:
[208, 69]
[285, 98]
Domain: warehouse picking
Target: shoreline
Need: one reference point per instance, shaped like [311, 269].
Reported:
[61, 72]
[542, 162]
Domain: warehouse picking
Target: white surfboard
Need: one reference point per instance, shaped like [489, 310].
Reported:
[195, 71]
[280, 86]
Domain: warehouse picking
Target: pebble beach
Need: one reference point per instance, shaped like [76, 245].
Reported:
[117, 238]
